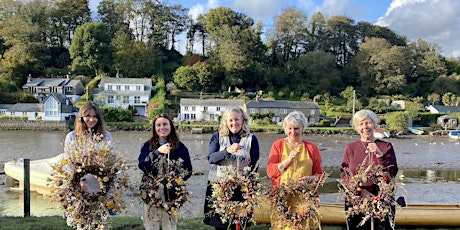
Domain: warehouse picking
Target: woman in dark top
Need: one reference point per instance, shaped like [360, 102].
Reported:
[368, 151]
[163, 144]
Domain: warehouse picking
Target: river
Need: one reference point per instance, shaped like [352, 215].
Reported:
[431, 166]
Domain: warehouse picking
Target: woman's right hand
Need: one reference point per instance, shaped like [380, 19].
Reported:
[165, 149]
[293, 154]
[233, 148]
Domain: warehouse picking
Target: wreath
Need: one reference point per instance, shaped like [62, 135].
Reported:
[297, 201]
[166, 190]
[88, 161]
[235, 194]
[376, 206]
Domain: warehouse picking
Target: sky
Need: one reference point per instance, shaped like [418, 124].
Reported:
[434, 21]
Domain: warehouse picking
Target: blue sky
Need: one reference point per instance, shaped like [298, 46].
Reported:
[435, 21]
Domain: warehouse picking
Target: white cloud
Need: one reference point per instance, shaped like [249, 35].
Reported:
[435, 21]
[259, 10]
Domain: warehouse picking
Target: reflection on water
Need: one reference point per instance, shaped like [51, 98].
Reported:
[436, 179]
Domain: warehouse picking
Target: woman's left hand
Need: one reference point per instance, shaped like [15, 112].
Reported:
[309, 179]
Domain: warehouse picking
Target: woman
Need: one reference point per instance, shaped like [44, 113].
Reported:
[364, 152]
[155, 154]
[89, 136]
[293, 158]
[233, 145]
[89, 124]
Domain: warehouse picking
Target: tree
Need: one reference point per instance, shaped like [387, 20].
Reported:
[433, 98]
[68, 15]
[185, 77]
[342, 39]
[396, 121]
[91, 47]
[450, 99]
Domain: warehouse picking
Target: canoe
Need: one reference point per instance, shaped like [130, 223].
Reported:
[413, 215]
[454, 134]
[416, 131]
[40, 171]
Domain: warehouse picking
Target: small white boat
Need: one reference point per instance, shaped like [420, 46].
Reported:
[380, 133]
[40, 171]
[454, 134]
[416, 131]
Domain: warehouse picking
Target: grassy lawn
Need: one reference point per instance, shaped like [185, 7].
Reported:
[130, 223]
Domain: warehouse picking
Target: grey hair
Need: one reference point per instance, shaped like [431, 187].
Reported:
[224, 131]
[363, 114]
[297, 119]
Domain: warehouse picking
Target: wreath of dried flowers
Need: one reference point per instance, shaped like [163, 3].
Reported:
[378, 206]
[305, 211]
[89, 209]
[245, 185]
[153, 187]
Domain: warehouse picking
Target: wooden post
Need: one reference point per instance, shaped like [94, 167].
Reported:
[26, 187]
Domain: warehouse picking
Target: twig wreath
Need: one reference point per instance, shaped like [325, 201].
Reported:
[246, 184]
[166, 190]
[305, 211]
[377, 206]
[89, 160]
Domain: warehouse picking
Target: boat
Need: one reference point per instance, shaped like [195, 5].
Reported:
[416, 131]
[40, 171]
[454, 134]
[380, 133]
[412, 215]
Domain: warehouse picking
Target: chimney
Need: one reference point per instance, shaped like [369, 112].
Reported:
[29, 78]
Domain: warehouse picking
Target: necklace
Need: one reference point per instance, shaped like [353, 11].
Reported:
[365, 147]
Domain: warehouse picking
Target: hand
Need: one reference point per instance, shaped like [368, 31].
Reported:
[233, 148]
[309, 179]
[293, 154]
[165, 149]
[372, 147]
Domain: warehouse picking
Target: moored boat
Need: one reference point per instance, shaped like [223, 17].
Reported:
[40, 171]
[426, 215]
[380, 133]
[416, 131]
[454, 134]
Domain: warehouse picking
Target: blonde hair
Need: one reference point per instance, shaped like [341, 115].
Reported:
[297, 119]
[224, 131]
[363, 114]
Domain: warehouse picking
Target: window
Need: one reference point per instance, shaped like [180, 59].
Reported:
[118, 87]
[125, 100]
[110, 99]
[284, 111]
[252, 110]
[137, 100]
[312, 112]
[193, 108]
[193, 116]
[126, 87]
[186, 116]
[185, 108]
[217, 108]
[109, 87]
[118, 98]
[205, 108]
[138, 88]
[264, 111]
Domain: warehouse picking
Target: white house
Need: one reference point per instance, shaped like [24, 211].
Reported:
[206, 109]
[124, 92]
[57, 107]
[30, 110]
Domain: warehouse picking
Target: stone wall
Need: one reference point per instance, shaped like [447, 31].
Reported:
[33, 125]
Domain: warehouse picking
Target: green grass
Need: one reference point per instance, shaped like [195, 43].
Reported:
[130, 223]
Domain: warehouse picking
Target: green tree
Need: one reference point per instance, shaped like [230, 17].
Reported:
[91, 47]
[396, 122]
[185, 77]
[450, 99]
[433, 98]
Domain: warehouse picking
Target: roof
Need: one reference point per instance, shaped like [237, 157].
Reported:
[6, 106]
[50, 82]
[282, 104]
[61, 98]
[211, 102]
[446, 109]
[27, 107]
[114, 80]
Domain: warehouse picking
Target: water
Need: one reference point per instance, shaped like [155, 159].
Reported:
[430, 165]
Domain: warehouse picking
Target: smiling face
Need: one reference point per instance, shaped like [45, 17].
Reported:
[162, 128]
[234, 122]
[91, 119]
[293, 132]
[366, 128]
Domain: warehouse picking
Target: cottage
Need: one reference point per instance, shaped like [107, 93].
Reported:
[443, 109]
[42, 87]
[206, 109]
[281, 108]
